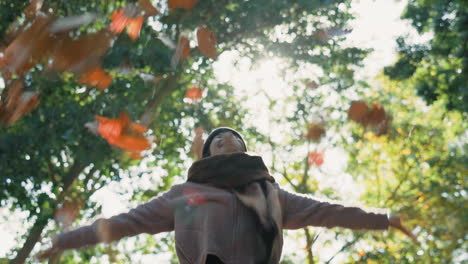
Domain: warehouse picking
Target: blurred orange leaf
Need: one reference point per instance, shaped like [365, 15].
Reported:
[68, 212]
[207, 43]
[194, 93]
[149, 9]
[376, 115]
[134, 27]
[315, 158]
[358, 111]
[312, 85]
[16, 103]
[29, 47]
[120, 20]
[96, 77]
[187, 4]
[182, 51]
[83, 54]
[197, 144]
[122, 133]
[315, 132]
[33, 8]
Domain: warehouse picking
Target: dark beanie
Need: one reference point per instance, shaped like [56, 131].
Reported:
[213, 134]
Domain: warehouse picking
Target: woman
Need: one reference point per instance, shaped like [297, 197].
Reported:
[230, 210]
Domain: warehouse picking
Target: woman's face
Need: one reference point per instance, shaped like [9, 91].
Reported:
[224, 143]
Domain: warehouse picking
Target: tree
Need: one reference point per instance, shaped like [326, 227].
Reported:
[50, 160]
[438, 69]
[416, 168]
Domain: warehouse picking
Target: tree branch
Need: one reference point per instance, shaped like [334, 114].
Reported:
[149, 114]
[309, 243]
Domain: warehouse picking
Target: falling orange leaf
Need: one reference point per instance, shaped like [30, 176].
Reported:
[184, 47]
[194, 93]
[16, 103]
[376, 115]
[96, 77]
[122, 133]
[315, 132]
[33, 8]
[312, 85]
[120, 20]
[68, 212]
[358, 111]
[187, 4]
[207, 43]
[322, 35]
[149, 9]
[134, 27]
[83, 54]
[315, 158]
[29, 47]
[182, 51]
[197, 144]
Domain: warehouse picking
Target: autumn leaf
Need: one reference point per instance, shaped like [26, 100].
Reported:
[376, 118]
[312, 85]
[134, 27]
[322, 35]
[33, 8]
[315, 132]
[96, 77]
[29, 47]
[148, 8]
[182, 51]
[122, 133]
[207, 43]
[68, 212]
[376, 115]
[358, 111]
[197, 144]
[187, 4]
[16, 103]
[315, 158]
[83, 54]
[194, 93]
[120, 21]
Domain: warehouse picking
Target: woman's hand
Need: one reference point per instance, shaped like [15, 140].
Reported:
[395, 222]
[47, 254]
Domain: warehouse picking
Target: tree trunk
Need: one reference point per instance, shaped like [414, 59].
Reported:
[33, 237]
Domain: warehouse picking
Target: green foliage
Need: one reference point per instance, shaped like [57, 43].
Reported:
[48, 157]
[418, 168]
[437, 70]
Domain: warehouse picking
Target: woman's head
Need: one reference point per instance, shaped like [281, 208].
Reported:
[223, 140]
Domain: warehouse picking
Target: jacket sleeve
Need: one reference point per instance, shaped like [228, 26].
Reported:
[300, 211]
[152, 217]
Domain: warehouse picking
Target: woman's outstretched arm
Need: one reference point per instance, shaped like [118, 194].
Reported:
[300, 211]
[152, 217]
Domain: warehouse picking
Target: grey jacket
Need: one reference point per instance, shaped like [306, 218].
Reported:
[209, 220]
